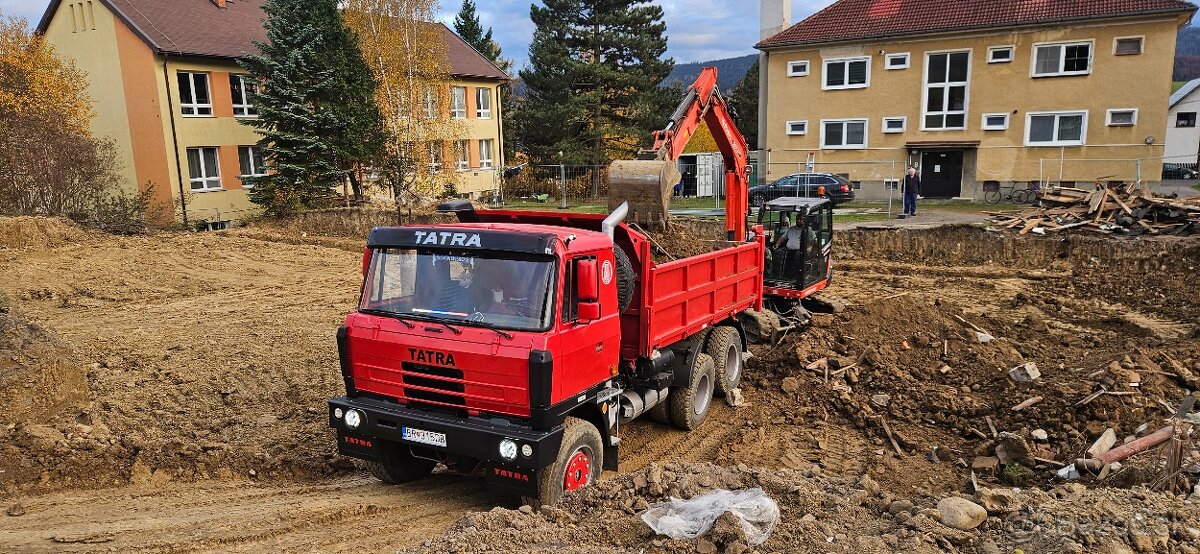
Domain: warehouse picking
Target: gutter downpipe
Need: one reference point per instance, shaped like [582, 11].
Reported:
[175, 142]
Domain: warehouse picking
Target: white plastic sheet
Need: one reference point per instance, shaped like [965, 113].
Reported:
[756, 513]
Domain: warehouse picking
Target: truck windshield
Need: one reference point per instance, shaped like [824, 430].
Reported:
[509, 292]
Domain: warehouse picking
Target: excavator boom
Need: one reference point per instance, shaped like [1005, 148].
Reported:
[646, 183]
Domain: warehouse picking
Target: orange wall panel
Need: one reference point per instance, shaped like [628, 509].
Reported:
[139, 76]
[230, 167]
[470, 102]
[222, 98]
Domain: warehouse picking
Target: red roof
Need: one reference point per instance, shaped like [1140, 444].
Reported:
[200, 28]
[855, 20]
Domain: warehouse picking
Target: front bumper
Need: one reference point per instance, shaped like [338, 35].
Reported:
[474, 437]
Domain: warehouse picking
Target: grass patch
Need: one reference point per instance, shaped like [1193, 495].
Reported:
[1196, 186]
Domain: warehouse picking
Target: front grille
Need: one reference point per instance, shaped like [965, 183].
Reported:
[433, 377]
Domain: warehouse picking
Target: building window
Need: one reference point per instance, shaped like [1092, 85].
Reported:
[847, 73]
[797, 127]
[1122, 117]
[485, 153]
[251, 161]
[897, 61]
[1056, 129]
[435, 156]
[844, 133]
[204, 171]
[946, 77]
[797, 68]
[1128, 46]
[194, 98]
[483, 103]
[241, 87]
[1185, 119]
[462, 155]
[995, 121]
[1000, 54]
[458, 102]
[1067, 58]
[895, 124]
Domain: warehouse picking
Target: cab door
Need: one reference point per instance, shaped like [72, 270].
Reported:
[588, 349]
[818, 245]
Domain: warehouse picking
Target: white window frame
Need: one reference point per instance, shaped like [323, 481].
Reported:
[1062, 60]
[1012, 52]
[983, 122]
[462, 155]
[1082, 131]
[1141, 44]
[844, 122]
[458, 110]
[206, 179]
[255, 171]
[792, 70]
[246, 109]
[903, 124]
[795, 133]
[825, 73]
[483, 95]
[437, 155]
[486, 163]
[196, 109]
[925, 84]
[1195, 118]
[1108, 120]
[887, 61]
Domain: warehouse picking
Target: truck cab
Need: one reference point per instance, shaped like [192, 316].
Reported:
[471, 345]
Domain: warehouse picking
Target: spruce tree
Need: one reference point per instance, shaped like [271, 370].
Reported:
[592, 84]
[467, 25]
[316, 109]
[744, 100]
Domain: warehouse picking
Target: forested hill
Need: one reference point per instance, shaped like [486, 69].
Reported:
[1187, 54]
[729, 71]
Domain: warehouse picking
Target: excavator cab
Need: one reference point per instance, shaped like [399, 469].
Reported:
[800, 246]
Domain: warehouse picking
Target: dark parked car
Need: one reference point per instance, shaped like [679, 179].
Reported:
[1176, 171]
[837, 188]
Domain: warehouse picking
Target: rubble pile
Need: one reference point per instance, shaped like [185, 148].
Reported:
[1124, 209]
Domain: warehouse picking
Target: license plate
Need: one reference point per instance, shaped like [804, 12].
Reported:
[422, 436]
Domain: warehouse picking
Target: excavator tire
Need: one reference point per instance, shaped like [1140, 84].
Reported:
[646, 185]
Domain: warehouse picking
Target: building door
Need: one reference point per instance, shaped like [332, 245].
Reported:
[941, 174]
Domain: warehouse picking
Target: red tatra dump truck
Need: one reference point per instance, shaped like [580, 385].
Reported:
[519, 342]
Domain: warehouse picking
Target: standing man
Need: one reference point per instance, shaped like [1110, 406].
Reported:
[912, 189]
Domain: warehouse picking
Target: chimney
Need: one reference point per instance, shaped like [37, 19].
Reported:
[221, 3]
[775, 16]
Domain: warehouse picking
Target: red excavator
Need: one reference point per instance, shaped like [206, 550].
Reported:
[516, 343]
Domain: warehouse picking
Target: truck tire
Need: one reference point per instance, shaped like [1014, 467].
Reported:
[399, 465]
[690, 404]
[626, 279]
[725, 347]
[578, 464]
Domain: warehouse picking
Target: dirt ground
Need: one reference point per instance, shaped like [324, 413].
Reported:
[174, 390]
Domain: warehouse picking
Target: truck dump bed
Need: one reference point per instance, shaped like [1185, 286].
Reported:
[672, 300]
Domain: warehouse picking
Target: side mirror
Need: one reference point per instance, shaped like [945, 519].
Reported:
[588, 311]
[587, 287]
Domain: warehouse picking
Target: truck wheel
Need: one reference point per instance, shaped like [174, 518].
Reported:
[689, 405]
[578, 464]
[625, 280]
[725, 347]
[399, 465]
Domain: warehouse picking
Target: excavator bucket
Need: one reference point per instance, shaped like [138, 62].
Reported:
[647, 186]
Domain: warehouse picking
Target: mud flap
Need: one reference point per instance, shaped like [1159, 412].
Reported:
[521, 481]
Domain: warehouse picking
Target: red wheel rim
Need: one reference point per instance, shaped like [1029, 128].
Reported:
[579, 471]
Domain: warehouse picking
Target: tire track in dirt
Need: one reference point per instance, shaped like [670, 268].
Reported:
[644, 442]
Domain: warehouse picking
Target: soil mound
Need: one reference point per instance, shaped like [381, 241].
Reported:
[38, 378]
[38, 232]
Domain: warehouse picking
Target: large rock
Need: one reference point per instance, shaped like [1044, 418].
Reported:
[1012, 448]
[1025, 372]
[998, 501]
[960, 513]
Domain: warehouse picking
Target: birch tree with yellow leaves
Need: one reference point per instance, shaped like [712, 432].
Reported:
[406, 52]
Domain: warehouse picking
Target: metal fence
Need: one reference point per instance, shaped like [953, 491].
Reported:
[1071, 172]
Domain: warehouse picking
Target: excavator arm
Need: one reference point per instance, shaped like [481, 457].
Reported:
[646, 183]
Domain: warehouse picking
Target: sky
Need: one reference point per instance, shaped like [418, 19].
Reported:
[697, 30]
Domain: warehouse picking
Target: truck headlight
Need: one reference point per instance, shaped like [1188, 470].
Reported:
[526, 450]
[508, 449]
[353, 419]
[337, 413]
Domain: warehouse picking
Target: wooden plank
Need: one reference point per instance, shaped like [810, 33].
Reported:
[1029, 226]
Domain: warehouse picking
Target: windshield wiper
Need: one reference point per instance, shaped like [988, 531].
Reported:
[396, 317]
[493, 327]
